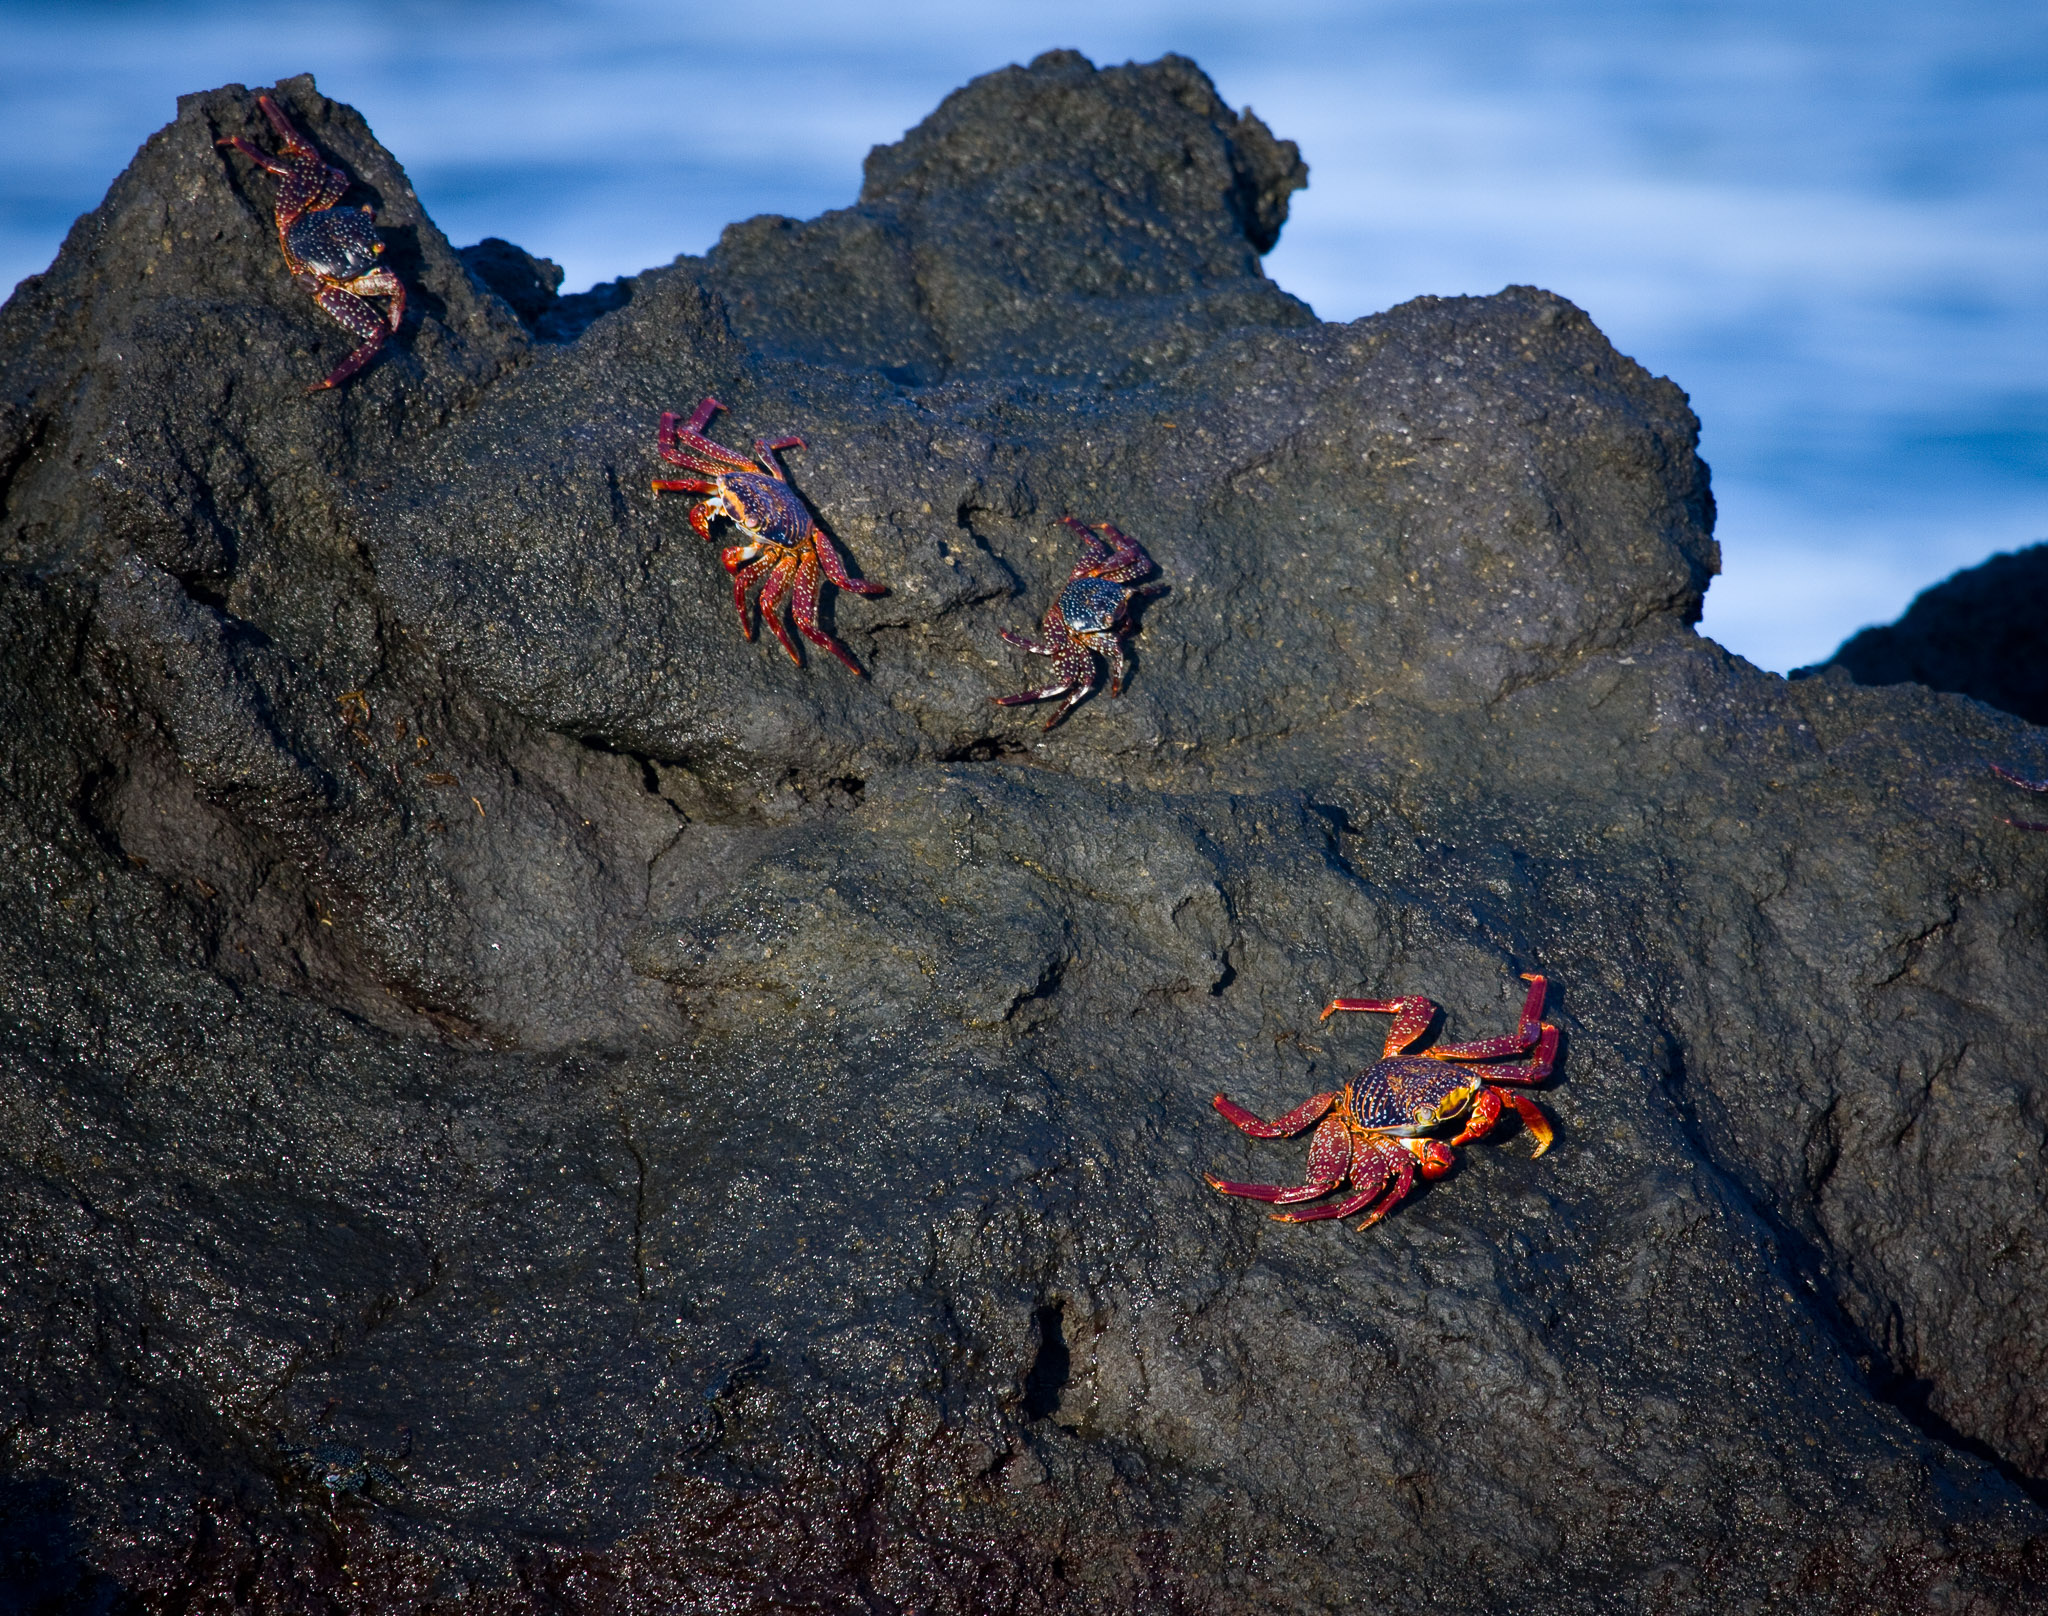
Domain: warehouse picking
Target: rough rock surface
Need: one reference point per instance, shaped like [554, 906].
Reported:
[513, 1097]
[1978, 633]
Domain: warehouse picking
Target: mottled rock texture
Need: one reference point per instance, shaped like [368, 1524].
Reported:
[723, 1135]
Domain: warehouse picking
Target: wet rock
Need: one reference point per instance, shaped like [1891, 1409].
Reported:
[737, 1128]
[1977, 633]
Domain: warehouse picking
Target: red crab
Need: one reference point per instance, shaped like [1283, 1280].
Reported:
[2026, 785]
[330, 251]
[783, 540]
[1088, 617]
[1375, 1136]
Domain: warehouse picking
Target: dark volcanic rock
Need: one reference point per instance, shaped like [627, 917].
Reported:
[529, 285]
[684, 1131]
[1978, 633]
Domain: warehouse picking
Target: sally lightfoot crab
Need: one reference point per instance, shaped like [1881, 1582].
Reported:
[1374, 1131]
[1088, 617]
[783, 540]
[330, 251]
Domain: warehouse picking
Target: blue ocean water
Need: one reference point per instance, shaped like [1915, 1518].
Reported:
[1827, 221]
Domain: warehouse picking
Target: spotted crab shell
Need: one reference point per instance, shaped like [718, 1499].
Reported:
[337, 244]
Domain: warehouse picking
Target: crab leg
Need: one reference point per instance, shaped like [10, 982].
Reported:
[294, 142]
[1079, 689]
[695, 462]
[1023, 697]
[1336, 1209]
[684, 456]
[1109, 647]
[1073, 665]
[382, 283]
[1092, 552]
[257, 155]
[307, 183]
[687, 448]
[1126, 562]
[835, 567]
[2025, 785]
[772, 594]
[695, 450]
[1404, 1181]
[1412, 1017]
[1523, 1037]
[683, 485]
[769, 450]
[1533, 1119]
[1536, 1068]
[744, 573]
[1251, 1192]
[804, 608]
[1329, 1158]
[1372, 1166]
[1284, 1127]
[357, 317]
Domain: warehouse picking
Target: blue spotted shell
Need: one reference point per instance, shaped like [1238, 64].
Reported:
[1409, 1094]
[767, 508]
[337, 244]
[1092, 605]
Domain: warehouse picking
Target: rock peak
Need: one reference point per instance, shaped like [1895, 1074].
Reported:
[1059, 219]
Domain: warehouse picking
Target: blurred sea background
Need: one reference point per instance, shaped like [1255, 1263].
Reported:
[1826, 220]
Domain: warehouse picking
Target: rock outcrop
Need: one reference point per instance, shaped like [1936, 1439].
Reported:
[514, 1097]
[1977, 633]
